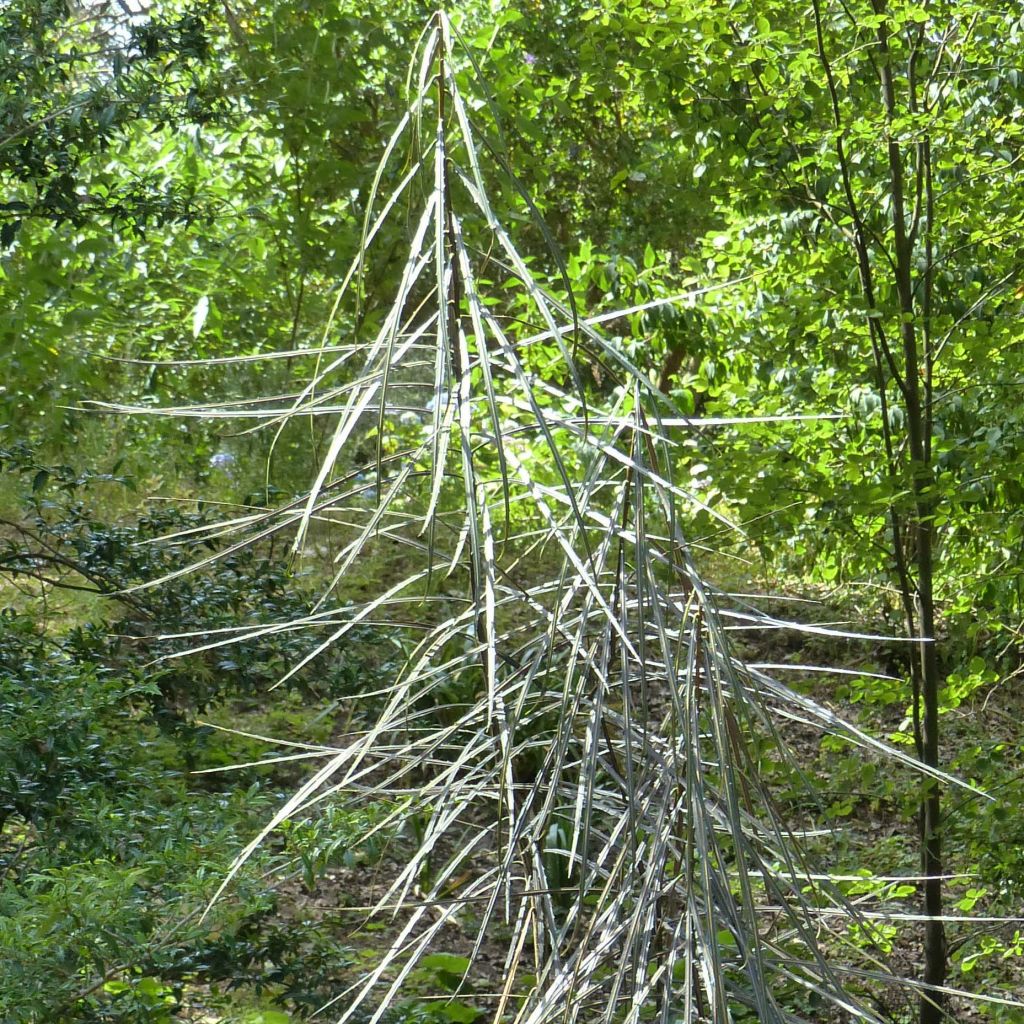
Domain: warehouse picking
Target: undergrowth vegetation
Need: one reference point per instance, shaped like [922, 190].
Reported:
[112, 844]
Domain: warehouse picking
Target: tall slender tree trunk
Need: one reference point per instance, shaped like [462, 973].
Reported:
[917, 403]
[906, 365]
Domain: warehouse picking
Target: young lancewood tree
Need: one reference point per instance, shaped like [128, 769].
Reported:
[572, 731]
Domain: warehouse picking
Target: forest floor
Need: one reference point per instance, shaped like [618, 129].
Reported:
[874, 832]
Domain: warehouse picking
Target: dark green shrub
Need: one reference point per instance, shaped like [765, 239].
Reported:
[62, 540]
[57, 713]
[109, 848]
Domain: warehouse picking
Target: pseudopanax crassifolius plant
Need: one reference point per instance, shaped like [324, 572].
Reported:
[594, 780]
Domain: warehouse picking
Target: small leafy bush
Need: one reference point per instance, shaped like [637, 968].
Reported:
[336, 837]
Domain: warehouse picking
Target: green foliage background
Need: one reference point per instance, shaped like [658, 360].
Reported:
[191, 184]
